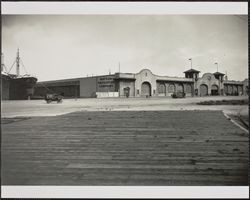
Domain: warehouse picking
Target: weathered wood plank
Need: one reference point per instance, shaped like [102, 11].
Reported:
[125, 148]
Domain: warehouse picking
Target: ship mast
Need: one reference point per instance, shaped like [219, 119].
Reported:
[17, 63]
[2, 62]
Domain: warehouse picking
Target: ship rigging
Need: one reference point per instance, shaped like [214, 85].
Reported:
[16, 86]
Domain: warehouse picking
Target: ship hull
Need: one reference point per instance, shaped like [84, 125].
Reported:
[20, 88]
[5, 87]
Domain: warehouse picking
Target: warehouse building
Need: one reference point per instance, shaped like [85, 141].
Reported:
[143, 84]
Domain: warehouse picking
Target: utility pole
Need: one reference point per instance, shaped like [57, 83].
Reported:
[226, 76]
[119, 68]
[191, 62]
[220, 79]
[217, 65]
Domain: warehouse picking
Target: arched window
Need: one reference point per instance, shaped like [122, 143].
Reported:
[161, 88]
[171, 88]
[188, 88]
[180, 87]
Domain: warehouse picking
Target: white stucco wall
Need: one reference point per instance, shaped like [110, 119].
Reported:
[208, 79]
[145, 75]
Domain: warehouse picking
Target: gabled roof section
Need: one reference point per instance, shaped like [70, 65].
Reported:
[192, 71]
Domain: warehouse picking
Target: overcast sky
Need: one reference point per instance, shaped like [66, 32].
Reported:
[69, 46]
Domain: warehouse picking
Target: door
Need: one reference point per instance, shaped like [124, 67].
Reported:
[146, 89]
[214, 90]
[203, 90]
[126, 91]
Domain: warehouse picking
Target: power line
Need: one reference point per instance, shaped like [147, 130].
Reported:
[46, 87]
[23, 66]
[12, 66]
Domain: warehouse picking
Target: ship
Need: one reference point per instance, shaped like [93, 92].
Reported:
[16, 86]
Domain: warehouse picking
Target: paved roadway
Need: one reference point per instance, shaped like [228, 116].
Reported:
[118, 142]
[41, 108]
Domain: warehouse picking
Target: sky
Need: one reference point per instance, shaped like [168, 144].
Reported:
[70, 46]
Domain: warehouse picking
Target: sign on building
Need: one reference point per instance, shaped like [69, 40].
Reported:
[106, 83]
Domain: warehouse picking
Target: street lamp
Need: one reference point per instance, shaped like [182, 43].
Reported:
[190, 62]
[216, 65]
[219, 78]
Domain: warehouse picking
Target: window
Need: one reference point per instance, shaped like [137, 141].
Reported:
[138, 92]
[188, 88]
[161, 88]
[180, 87]
[146, 74]
[171, 88]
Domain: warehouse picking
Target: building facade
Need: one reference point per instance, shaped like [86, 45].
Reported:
[144, 84]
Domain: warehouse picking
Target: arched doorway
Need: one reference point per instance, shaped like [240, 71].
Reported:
[146, 89]
[214, 90]
[126, 91]
[203, 90]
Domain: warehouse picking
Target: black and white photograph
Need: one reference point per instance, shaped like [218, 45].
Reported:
[124, 99]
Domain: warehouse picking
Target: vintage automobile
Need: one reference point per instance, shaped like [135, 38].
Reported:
[53, 97]
[178, 95]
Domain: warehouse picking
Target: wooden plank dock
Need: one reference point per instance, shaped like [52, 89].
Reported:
[125, 148]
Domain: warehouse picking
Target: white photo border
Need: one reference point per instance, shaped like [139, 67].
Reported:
[126, 8]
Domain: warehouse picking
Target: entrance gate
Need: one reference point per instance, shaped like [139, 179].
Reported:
[126, 91]
[146, 89]
[214, 90]
[203, 90]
